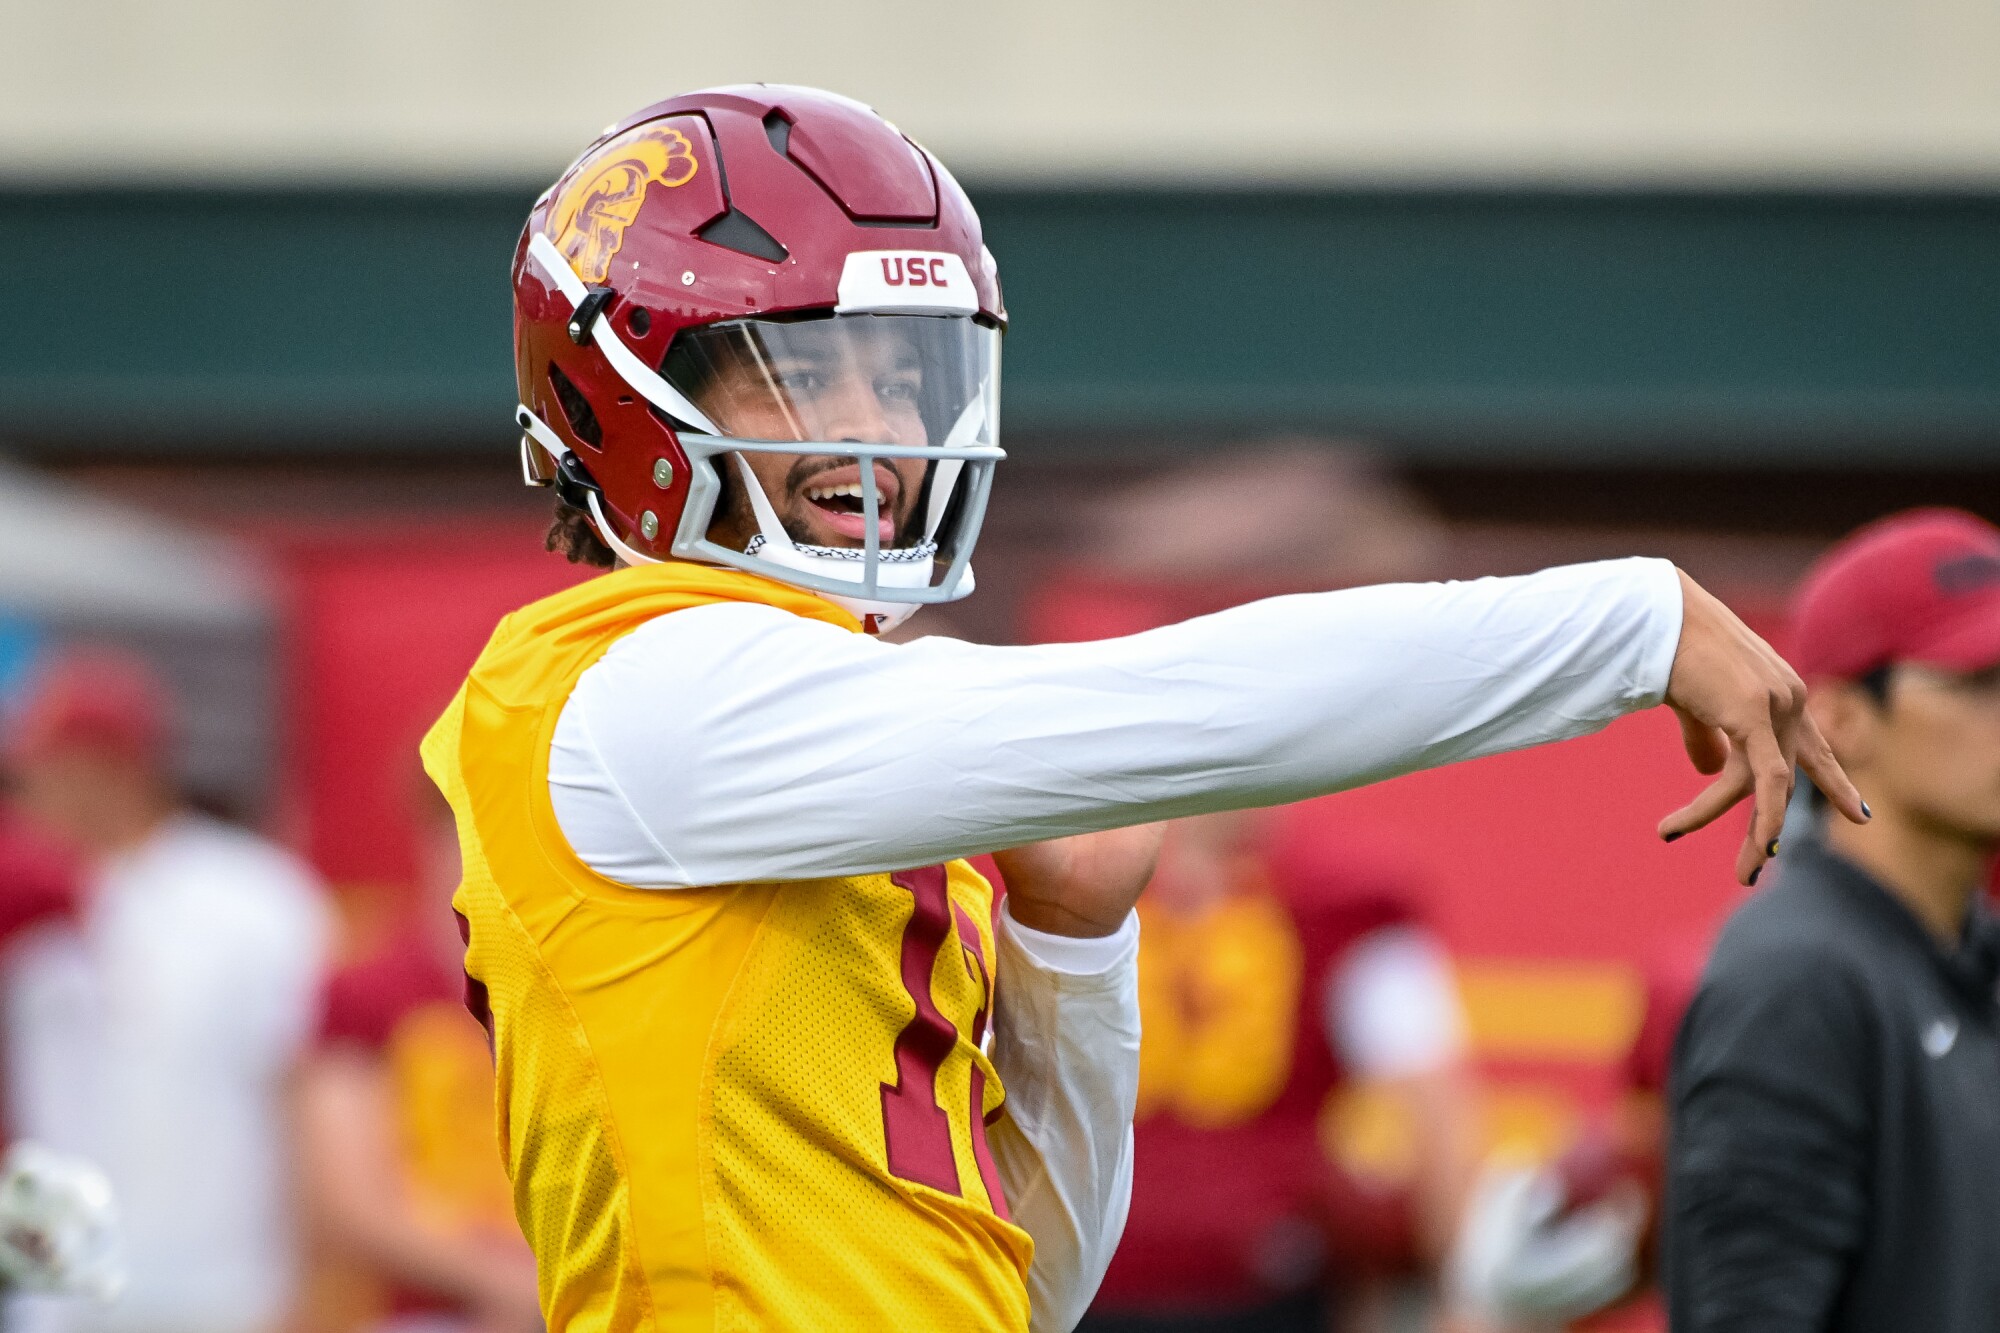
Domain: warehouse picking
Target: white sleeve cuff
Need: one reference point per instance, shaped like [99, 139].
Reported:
[1663, 584]
[1074, 955]
[1066, 1047]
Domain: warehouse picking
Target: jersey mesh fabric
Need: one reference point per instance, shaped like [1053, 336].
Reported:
[784, 1212]
[550, 1112]
[691, 1082]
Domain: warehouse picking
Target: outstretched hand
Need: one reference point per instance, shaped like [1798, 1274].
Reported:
[1085, 885]
[1743, 719]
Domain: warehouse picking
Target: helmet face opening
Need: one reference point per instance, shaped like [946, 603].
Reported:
[822, 384]
[822, 409]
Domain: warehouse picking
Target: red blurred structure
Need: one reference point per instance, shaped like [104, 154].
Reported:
[380, 627]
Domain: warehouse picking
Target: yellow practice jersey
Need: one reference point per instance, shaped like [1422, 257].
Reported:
[751, 1106]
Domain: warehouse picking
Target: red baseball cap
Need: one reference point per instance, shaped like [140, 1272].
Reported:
[1919, 586]
[103, 701]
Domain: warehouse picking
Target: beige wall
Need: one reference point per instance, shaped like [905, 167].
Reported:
[1609, 90]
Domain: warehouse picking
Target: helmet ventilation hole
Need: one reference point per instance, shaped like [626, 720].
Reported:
[779, 131]
[735, 231]
[640, 321]
[576, 408]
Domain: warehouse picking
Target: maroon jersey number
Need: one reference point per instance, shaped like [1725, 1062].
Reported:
[915, 1127]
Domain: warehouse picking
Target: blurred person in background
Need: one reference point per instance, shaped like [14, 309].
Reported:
[158, 1034]
[1834, 1148]
[1550, 1244]
[40, 876]
[58, 1230]
[1254, 519]
[1271, 985]
[398, 1167]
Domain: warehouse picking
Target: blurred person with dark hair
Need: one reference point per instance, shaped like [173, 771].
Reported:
[1276, 980]
[1834, 1152]
[157, 1036]
[397, 1171]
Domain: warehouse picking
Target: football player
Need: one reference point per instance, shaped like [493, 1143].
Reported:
[753, 1069]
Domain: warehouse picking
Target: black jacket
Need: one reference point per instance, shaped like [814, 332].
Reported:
[1833, 1160]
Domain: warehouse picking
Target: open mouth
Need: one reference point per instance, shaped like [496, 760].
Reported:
[838, 505]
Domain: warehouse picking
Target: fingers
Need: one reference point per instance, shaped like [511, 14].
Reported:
[1743, 718]
[1715, 799]
[1772, 776]
[1817, 759]
[1738, 780]
[1707, 747]
[1757, 767]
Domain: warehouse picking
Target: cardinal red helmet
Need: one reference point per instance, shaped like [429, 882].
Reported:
[754, 228]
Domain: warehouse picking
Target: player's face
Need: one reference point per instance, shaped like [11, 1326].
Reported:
[1933, 749]
[855, 389]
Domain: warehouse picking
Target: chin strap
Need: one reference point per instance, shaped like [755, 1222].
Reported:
[831, 569]
[573, 484]
[772, 543]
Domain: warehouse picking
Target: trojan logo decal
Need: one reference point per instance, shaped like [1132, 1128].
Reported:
[602, 196]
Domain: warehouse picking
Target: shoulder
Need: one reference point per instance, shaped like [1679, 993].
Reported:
[725, 645]
[1789, 981]
[237, 853]
[1798, 930]
[671, 683]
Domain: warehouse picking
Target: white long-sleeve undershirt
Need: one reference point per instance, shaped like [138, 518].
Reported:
[1066, 1047]
[740, 743]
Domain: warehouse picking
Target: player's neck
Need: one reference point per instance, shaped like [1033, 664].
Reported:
[1933, 871]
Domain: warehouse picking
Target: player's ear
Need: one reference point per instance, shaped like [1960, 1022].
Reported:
[1849, 716]
[733, 524]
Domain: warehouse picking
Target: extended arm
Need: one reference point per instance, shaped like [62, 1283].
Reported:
[738, 742]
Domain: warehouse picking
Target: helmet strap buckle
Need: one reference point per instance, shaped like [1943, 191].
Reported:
[574, 484]
[587, 313]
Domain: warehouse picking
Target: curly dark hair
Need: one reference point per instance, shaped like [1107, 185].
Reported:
[572, 536]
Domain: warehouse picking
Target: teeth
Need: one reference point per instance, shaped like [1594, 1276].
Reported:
[852, 488]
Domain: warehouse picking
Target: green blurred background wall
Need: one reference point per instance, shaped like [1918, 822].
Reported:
[1579, 327]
